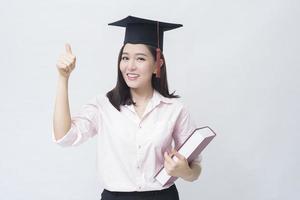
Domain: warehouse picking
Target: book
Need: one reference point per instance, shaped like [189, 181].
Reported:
[190, 149]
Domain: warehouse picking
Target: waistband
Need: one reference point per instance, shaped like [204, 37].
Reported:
[141, 193]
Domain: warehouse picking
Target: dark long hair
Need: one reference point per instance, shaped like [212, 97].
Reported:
[120, 94]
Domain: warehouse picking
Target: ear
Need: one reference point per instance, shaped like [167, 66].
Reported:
[161, 64]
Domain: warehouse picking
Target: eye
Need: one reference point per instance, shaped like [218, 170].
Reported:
[124, 58]
[141, 59]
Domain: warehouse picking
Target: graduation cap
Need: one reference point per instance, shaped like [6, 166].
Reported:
[145, 31]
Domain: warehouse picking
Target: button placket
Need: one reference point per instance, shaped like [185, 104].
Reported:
[139, 143]
[138, 154]
[139, 178]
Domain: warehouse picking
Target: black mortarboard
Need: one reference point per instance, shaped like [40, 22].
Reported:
[145, 31]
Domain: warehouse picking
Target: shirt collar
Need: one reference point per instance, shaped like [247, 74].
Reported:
[155, 100]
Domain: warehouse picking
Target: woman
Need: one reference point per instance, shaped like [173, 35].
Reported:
[135, 123]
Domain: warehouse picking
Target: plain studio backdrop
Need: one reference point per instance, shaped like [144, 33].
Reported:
[235, 63]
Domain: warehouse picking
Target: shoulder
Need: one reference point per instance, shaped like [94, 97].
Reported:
[100, 97]
[167, 100]
[181, 108]
[175, 103]
[97, 100]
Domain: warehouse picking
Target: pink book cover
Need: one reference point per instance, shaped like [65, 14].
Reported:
[162, 175]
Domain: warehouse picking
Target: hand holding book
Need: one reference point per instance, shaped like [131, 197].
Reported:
[190, 149]
[179, 168]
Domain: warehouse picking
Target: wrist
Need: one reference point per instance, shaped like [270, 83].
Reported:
[188, 176]
[63, 79]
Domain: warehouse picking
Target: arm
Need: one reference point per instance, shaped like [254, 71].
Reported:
[183, 128]
[62, 117]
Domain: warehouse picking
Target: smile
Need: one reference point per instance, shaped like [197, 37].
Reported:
[132, 76]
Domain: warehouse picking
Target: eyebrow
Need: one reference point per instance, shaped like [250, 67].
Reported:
[138, 54]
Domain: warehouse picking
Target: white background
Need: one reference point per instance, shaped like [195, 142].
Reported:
[235, 63]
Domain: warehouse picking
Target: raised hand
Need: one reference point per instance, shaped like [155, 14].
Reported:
[66, 62]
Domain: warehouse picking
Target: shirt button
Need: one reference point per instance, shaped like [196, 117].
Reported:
[140, 146]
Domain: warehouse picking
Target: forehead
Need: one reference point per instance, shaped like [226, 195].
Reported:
[136, 48]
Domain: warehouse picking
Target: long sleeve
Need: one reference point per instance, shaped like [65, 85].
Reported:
[183, 128]
[84, 124]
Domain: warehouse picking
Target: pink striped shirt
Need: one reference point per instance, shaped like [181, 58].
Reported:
[130, 149]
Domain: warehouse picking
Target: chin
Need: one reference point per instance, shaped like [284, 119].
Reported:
[132, 85]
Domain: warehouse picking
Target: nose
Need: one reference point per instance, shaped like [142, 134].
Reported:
[131, 65]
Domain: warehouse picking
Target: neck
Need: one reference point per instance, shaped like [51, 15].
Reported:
[141, 96]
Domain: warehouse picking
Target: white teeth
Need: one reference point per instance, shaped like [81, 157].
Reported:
[132, 75]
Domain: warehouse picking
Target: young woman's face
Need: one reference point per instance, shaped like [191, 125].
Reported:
[137, 65]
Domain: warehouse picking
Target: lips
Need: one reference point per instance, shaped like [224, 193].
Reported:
[132, 76]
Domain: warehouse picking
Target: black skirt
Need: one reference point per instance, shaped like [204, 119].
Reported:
[170, 193]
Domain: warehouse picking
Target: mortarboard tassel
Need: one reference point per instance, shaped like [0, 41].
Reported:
[158, 56]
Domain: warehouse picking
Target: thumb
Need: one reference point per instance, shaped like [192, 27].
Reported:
[68, 48]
